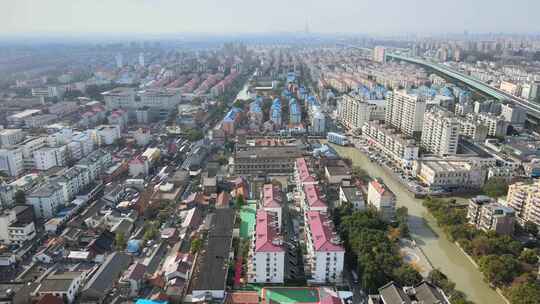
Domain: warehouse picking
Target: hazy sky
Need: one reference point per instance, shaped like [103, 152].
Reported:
[351, 16]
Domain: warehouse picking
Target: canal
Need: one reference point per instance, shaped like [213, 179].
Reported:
[442, 253]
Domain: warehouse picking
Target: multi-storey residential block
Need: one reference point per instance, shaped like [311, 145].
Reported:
[11, 161]
[105, 135]
[272, 201]
[73, 181]
[120, 98]
[46, 199]
[440, 133]
[382, 198]
[354, 111]
[159, 99]
[402, 149]
[324, 254]
[17, 225]
[48, 157]
[524, 198]
[487, 214]
[379, 54]
[267, 261]
[405, 112]
[257, 159]
[10, 137]
[450, 173]
[311, 199]
[96, 163]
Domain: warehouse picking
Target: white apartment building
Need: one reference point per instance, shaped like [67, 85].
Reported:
[13, 230]
[405, 112]
[29, 146]
[382, 198]
[473, 129]
[46, 200]
[440, 133]
[267, 261]
[318, 122]
[272, 201]
[11, 161]
[401, 149]
[119, 98]
[73, 181]
[46, 158]
[354, 112]
[106, 135]
[524, 198]
[514, 115]
[10, 137]
[324, 257]
[96, 163]
[497, 126]
[160, 99]
[81, 145]
[379, 54]
[450, 173]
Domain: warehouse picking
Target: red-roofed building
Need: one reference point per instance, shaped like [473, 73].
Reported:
[312, 199]
[267, 258]
[272, 200]
[223, 200]
[302, 173]
[382, 198]
[324, 258]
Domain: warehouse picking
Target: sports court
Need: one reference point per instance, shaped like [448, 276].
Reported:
[290, 295]
[247, 217]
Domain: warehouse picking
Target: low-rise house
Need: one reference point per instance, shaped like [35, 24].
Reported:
[64, 285]
[424, 292]
[132, 280]
[352, 195]
[103, 280]
[382, 198]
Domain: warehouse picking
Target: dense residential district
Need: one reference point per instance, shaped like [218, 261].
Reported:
[298, 170]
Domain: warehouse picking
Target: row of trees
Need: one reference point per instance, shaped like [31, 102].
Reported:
[503, 260]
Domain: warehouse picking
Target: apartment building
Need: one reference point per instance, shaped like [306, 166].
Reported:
[524, 198]
[160, 99]
[10, 137]
[353, 111]
[450, 173]
[106, 135]
[324, 253]
[487, 214]
[311, 198]
[49, 157]
[497, 126]
[72, 181]
[379, 54]
[382, 198]
[272, 201]
[17, 225]
[440, 133]
[96, 163]
[402, 149]
[11, 161]
[405, 112]
[473, 129]
[46, 199]
[119, 98]
[303, 174]
[267, 261]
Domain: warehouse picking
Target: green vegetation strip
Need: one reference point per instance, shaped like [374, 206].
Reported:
[247, 216]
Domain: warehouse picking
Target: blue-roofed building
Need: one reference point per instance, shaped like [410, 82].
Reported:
[255, 112]
[231, 119]
[295, 113]
[291, 77]
[148, 301]
[275, 112]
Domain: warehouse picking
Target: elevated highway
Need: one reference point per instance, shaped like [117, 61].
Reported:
[533, 109]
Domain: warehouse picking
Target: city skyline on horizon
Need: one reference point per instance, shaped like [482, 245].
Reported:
[165, 17]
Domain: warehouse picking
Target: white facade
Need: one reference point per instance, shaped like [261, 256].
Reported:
[11, 161]
[384, 200]
[440, 133]
[401, 149]
[46, 200]
[119, 98]
[106, 134]
[405, 111]
[10, 137]
[46, 158]
[354, 112]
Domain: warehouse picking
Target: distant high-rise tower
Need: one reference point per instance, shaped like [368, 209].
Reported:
[119, 60]
[405, 112]
[141, 59]
[379, 54]
[306, 29]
